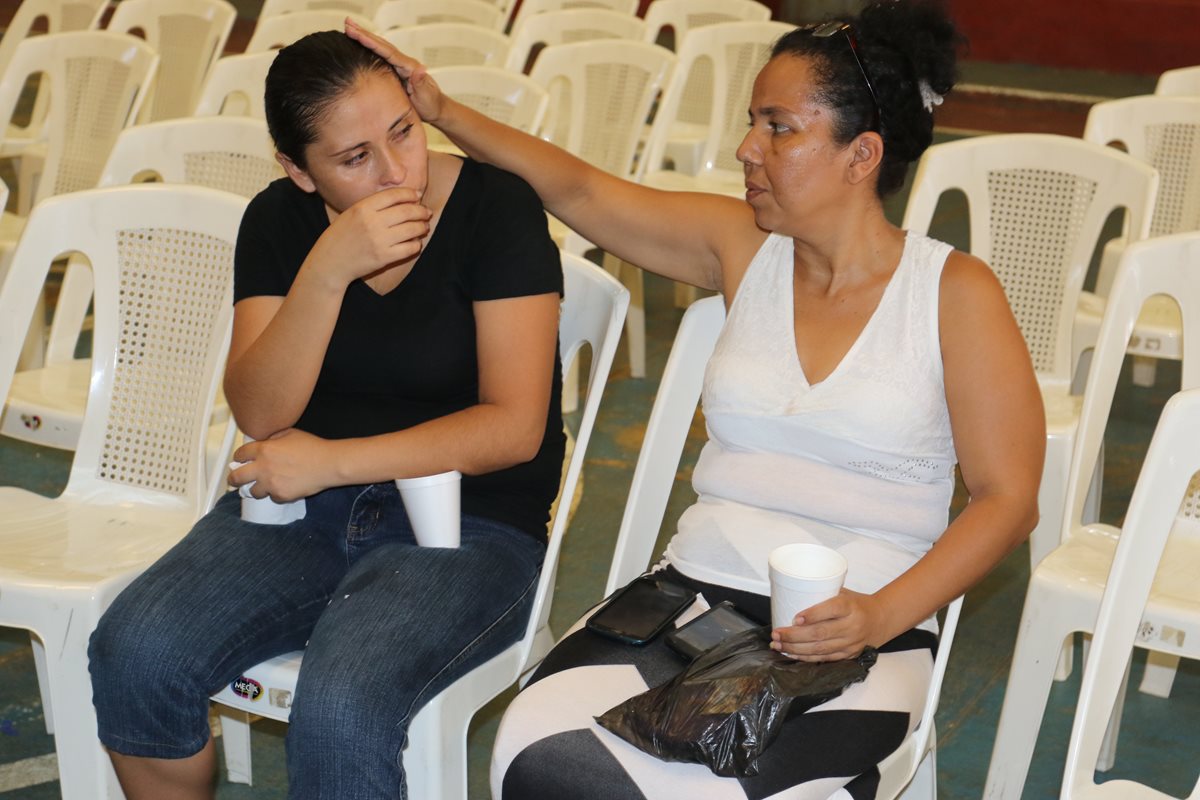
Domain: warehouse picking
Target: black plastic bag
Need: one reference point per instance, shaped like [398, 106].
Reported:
[726, 707]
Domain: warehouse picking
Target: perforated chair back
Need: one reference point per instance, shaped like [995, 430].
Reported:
[565, 27]
[1182, 81]
[600, 96]
[162, 264]
[58, 16]
[529, 8]
[509, 97]
[402, 13]
[97, 84]
[188, 35]
[1037, 203]
[681, 16]
[710, 90]
[1163, 132]
[233, 154]
[274, 32]
[235, 86]
[274, 8]
[451, 44]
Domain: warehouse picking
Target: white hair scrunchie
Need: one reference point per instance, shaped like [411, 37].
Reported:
[929, 98]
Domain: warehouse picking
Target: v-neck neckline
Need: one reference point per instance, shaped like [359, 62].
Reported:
[862, 334]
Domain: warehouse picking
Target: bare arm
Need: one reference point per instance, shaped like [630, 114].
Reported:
[685, 236]
[515, 341]
[279, 342]
[999, 430]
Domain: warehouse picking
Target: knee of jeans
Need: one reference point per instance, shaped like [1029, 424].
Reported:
[133, 660]
[347, 717]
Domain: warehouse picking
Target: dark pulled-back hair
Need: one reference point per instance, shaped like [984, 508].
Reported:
[304, 79]
[900, 43]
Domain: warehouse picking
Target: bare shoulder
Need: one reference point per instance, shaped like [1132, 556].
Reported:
[970, 293]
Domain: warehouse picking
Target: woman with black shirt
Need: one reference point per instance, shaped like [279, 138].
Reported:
[395, 315]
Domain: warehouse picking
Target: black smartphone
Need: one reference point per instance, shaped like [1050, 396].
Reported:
[708, 630]
[641, 610]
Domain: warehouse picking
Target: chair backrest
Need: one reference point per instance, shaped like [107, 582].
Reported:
[233, 154]
[711, 89]
[274, 32]
[235, 86]
[58, 16]
[1163, 132]
[1037, 204]
[593, 313]
[529, 8]
[188, 35]
[570, 25]
[601, 94]
[162, 259]
[509, 97]
[1171, 464]
[682, 16]
[402, 13]
[275, 8]
[97, 84]
[662, 446]
[1166, 265]
[1182, 81]
[451, 44]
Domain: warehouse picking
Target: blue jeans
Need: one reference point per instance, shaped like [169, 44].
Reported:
[386, 624]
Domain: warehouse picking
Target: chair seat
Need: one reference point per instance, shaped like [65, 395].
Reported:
[1077, 571]
[60, 543]
[1158, 332]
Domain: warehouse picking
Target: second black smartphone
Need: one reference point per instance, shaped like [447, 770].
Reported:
[641, 610]
[708, 630]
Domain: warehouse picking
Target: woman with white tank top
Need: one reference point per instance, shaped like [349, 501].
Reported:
[858, 366]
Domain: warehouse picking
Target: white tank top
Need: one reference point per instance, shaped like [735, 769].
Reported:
[863, 461]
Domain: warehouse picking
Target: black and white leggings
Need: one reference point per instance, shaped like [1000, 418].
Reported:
[549, 747]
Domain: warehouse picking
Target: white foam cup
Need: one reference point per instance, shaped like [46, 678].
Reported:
[802, 575]
[432, 503]
[264, 510]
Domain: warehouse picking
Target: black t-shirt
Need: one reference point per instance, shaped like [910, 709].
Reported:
[408, 356]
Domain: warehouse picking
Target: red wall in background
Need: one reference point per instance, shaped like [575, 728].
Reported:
[1140, 36]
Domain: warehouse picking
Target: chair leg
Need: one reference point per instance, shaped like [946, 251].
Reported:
[1108, 746]
[1034, 658]
[85, 771]
[635, 320]
[435, 759]
[235, 743]
[39, 663]
[1159, 675]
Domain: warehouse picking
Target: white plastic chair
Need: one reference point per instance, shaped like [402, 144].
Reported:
[911, 771]
[274, 8]
[509, 97]
[58, 16]
[228, 153]
[728, 56]
[1163, 132]
[451, 44]
[435, 760]
[97, 83]
[163, 260]
[1132, 609]
[1182, 81]
[1065, 588]
[1037, 204]
[188, 35]
[681, 16]
[402, 13]
[274, 32]
[601, 93]
[235, 86]
[564, 27]
[528, 8]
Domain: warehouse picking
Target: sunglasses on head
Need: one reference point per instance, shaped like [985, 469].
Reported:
[827, 29]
